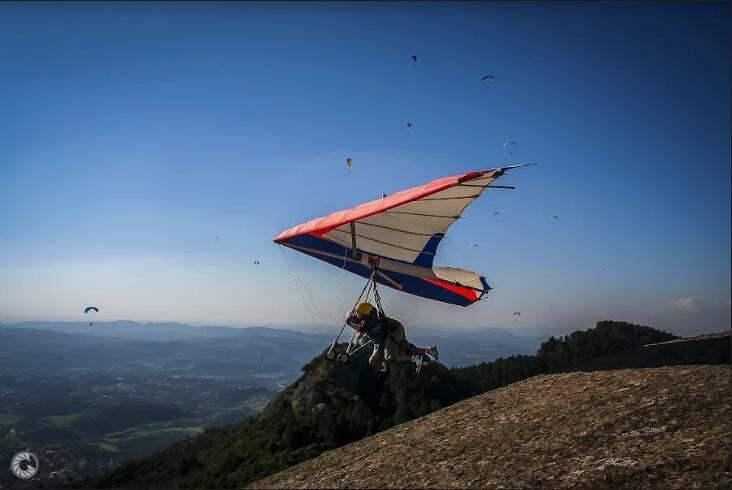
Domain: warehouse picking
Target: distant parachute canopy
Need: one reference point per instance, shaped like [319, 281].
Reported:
[510, 144]
[516, 313]
[414, 58]
[88, 309]
[349, 161]
[486, 77]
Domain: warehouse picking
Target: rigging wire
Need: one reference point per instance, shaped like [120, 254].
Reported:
[302, 295]
[305, 288]
[340, 287]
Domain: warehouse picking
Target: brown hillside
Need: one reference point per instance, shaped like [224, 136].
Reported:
[664, 427]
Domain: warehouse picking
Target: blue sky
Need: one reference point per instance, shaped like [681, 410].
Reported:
[134, 134]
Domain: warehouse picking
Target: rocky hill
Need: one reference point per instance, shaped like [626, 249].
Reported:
[666, 427]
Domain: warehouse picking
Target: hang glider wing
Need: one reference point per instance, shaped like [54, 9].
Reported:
[402, 232]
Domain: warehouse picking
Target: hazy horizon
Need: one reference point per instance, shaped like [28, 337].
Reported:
[327, 331]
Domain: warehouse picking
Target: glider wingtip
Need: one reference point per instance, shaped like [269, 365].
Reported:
[519, 165]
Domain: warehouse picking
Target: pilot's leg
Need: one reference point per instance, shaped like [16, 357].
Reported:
[377, 358]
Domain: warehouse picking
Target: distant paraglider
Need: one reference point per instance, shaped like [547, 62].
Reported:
[256, 262]
[414, 59]
[515, 313]
[486, 77]
[88, 309]
[474, 245]
[510, 145]
[349, 162]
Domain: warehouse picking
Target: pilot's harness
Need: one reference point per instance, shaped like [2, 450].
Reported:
[370, 288]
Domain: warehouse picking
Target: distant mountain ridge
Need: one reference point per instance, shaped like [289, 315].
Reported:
[157, 331]
[457, 348]
[77, 348]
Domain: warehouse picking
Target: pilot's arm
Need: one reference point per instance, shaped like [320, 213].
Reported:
[358, 326]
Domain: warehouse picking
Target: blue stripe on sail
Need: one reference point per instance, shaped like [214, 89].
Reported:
[427, 256]
[410, 284]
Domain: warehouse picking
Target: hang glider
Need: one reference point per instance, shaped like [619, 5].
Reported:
[397, 237]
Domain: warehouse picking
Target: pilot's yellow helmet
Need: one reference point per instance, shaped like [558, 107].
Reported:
[364, 308]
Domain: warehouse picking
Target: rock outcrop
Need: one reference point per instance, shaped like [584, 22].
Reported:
[666, 427]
